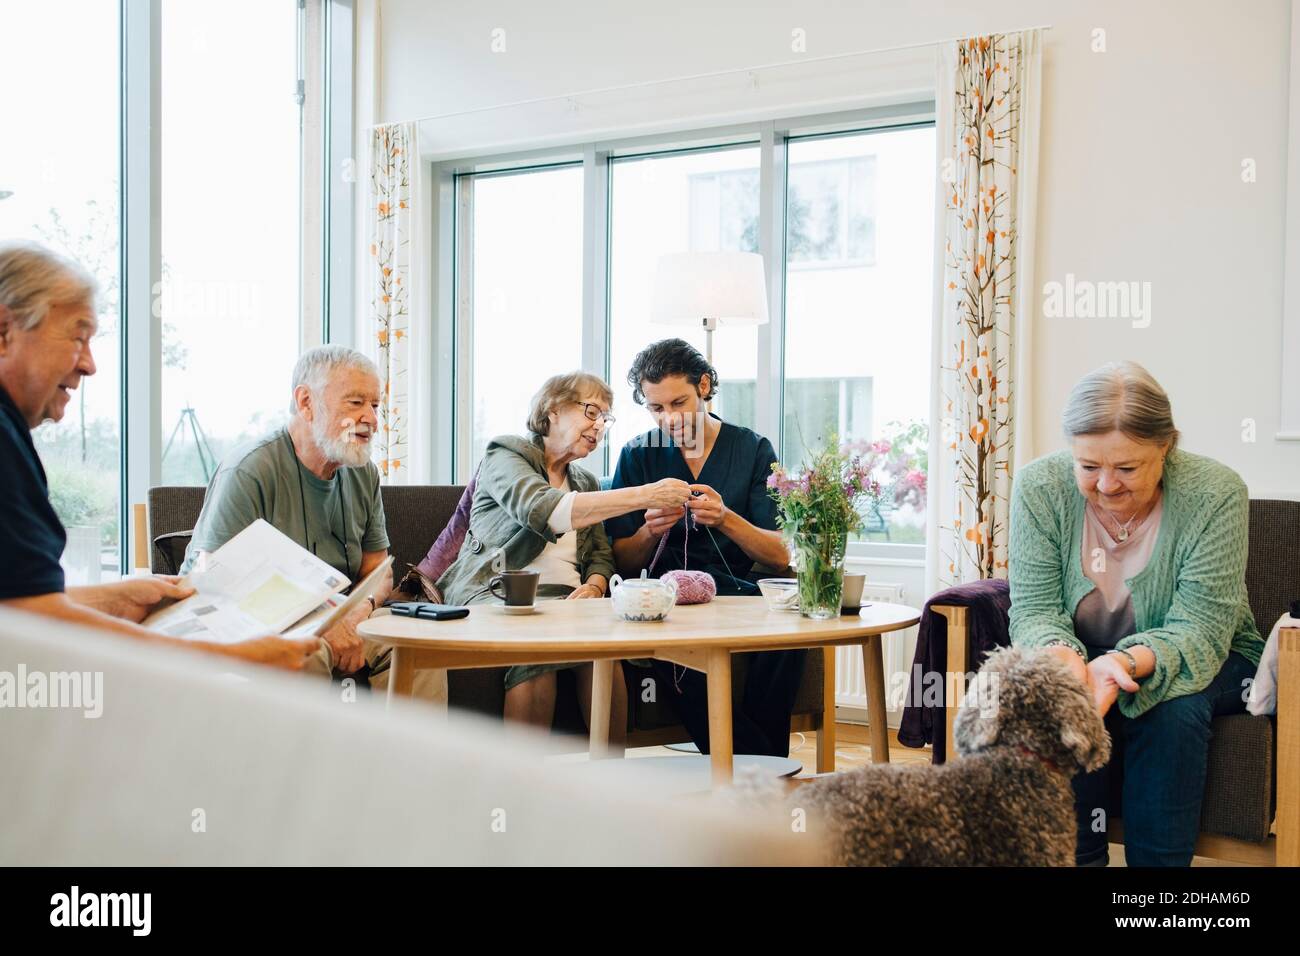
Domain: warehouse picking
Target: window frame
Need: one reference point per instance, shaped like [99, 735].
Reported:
[452, 215]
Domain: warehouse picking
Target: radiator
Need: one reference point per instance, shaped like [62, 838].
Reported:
[850, 677]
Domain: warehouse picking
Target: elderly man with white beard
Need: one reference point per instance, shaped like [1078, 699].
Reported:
[314, 481]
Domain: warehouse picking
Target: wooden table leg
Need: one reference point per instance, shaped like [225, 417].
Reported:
[441, 689]
[401, 673]
[719, 689]
[874, 671]
[602, 689]
[401, 679]
[826, 733]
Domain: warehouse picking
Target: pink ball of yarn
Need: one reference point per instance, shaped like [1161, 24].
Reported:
[693, 587]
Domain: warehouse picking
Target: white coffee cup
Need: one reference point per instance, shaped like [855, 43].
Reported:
[851, 597]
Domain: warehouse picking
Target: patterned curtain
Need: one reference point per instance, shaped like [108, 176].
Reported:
[988, 119]
[389, 280]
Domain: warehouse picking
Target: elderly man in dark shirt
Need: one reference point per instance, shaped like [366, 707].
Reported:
[47, 321]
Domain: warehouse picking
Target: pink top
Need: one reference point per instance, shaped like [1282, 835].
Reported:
[1105, 615]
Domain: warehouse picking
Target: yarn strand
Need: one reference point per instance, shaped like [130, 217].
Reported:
[687, 593]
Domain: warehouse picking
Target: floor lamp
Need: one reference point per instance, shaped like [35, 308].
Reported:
[710, 290]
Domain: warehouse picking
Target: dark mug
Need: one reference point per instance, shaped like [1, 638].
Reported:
[518, 588]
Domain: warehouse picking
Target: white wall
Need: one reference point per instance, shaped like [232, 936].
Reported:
[1141, 157]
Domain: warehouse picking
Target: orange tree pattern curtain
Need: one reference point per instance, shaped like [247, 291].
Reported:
[389, 281]
[987, 105]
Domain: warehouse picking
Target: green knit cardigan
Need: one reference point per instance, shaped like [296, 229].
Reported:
[1189, 602]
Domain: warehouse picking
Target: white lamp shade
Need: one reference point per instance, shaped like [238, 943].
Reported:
[728, 287]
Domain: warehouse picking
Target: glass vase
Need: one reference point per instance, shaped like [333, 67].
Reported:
[819, 566]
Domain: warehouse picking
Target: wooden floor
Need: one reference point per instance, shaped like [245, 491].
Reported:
[853, 750]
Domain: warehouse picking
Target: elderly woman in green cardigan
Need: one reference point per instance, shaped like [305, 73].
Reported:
[1128, 561]
[542, 511]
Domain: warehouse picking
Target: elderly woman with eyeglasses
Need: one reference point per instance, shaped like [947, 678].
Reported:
[1128, 561]
[544, 512]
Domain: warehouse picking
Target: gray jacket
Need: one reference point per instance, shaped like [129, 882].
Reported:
[513, 500]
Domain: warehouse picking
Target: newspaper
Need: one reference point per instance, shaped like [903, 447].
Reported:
[259, 582]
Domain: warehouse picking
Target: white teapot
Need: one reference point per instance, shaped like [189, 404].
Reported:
[643, 598]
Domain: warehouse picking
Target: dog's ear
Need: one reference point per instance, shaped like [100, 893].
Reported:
[1087, 741]
[1078, 726]
[979, 719]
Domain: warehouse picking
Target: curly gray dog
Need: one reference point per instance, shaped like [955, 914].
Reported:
[1025, 727]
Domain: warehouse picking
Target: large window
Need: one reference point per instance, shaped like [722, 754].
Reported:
[844, 219]
[231, 189]
[526, 274]
[698, 201]
[153, 87]
[859, 231]
[59, 187]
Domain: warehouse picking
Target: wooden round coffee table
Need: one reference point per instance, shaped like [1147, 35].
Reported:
[701, 636]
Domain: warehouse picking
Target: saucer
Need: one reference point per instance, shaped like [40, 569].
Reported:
[519, 608]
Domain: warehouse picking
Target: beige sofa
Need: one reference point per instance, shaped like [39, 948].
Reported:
[196, 761]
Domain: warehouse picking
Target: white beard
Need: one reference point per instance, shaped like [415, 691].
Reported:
[345, 450]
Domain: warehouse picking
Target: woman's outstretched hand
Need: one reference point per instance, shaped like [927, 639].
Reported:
[1075, 664]
[1109, 675]
[667, 494]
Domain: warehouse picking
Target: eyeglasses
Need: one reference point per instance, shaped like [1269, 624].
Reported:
[595, 414]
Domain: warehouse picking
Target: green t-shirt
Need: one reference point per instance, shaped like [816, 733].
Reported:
[338, 520]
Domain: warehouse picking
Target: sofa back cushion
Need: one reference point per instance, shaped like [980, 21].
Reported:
[446, 549]
[1273, 564]
[173, 513]
[416, 515]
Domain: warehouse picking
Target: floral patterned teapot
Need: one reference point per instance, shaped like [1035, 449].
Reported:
[643, 598]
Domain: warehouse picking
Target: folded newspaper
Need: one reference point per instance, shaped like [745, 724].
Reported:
[260, 582]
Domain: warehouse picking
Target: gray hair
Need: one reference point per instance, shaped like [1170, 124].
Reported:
[558, 389]
[315, 366]
[1120, 396]
[33, 279]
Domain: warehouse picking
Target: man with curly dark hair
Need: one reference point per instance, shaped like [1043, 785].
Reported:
[732, 531]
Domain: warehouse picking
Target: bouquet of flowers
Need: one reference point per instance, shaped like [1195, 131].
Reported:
[817, 509]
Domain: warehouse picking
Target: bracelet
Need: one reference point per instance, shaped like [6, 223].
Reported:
[1132, 661]
[1057, 642]
[374, 605]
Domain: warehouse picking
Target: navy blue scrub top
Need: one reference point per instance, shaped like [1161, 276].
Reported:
[737, 468]
[31, 535]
